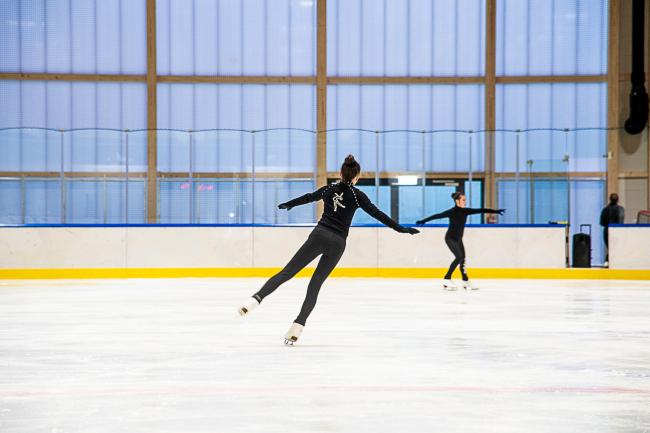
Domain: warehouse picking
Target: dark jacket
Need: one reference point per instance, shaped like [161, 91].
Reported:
[341, 200]
[612, 214]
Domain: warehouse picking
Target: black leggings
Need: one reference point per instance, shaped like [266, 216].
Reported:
[320, 241]
[458, 249]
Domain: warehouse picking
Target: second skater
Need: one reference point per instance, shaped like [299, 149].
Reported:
[454, 237]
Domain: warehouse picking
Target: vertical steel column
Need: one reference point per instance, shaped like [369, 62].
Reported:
[532, 190]
[191, 175]
[62, 178]
[253, 180]
[377, 168]
[517, 177]
[566, 161]
[22, 198]
[470, 174]
[424, 174]
[105, 200]
[126, 187]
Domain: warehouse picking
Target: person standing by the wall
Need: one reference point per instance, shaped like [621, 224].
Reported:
[613, 213]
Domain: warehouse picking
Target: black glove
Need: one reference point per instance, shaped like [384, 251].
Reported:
[409, 230]
[420, 222]
[284, 206]
[501, 211]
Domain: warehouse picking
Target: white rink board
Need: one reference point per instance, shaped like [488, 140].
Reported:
[270, 247]
[629, 247]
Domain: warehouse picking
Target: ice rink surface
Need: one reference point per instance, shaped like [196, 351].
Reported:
[378, 355]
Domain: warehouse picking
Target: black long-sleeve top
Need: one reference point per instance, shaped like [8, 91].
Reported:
[341, 200]
[612, 214]
[457, 218]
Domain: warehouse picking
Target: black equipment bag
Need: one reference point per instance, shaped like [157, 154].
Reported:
[582, 248]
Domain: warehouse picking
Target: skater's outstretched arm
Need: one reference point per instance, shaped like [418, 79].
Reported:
[304, 199]
[373, 211]
[473, 211]
[445, 214]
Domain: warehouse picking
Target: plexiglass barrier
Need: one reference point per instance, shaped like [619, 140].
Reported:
[225, 176]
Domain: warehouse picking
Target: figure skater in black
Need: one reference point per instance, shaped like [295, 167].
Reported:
[454, 237]
[341, 199]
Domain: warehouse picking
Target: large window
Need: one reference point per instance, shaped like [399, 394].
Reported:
[551, 37]
[226, 37]
[402, 113]
[407, 91]
[551, 139]
[406, 38]
[106, 37]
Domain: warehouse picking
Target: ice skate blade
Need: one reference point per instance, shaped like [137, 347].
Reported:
[450, 288]
[289, 342]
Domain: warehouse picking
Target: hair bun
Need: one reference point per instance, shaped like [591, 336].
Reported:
[349, 160]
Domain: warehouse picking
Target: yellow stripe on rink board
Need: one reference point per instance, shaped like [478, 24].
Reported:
[586, 274]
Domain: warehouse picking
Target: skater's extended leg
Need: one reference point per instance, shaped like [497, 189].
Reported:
[452, 268]
[312, 247]
[326, 264]
[463, 267]
[458, 253]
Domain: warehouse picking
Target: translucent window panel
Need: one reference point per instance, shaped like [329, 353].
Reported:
[551, 200]
[380, 196]
[551, 37]
[11, 202]
[406, 38]
[231, 108]
[438, 199]
[30, 150]
[271, 192]
[224, 37]
[556, 106]
[42, 201]
[112, 195]
[83, 201]
[216, 201]
[398, 108]
[77, 36]
[474, 193]
[411, 204]
[65, 105]
[538, 202]
[285, 151]
[93, 201]
[224, 201]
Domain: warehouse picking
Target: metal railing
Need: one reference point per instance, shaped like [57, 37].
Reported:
[197, 167]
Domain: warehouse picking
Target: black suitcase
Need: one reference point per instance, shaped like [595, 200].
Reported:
[582, 248]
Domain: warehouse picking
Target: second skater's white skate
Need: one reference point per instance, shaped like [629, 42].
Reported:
[448, 284]
[293, 334]
[468, 285]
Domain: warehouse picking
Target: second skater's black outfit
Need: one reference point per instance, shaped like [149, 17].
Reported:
[341, 200]
[454, 237]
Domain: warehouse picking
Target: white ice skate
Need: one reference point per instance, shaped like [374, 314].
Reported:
[468, 285]
[448, 284]
[293, 333]
[249, 306]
